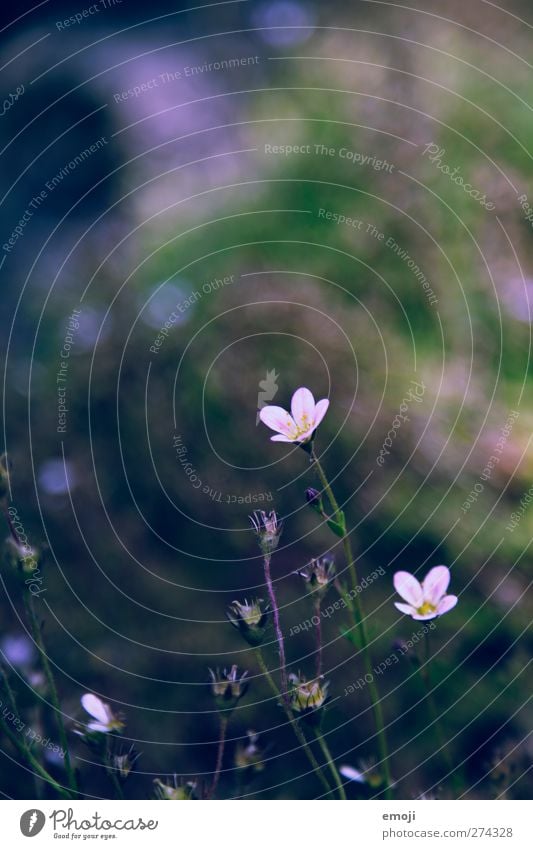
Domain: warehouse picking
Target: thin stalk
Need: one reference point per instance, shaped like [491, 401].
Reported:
[28, 755]
[224, 719]
[359, 620]
[37, 636]
[425, 675]
[318, 638]
[294, 723]
[279, 632]
[112, 773]
[331, 763]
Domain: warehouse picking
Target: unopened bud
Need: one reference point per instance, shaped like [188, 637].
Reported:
[228, 688]
[314, 499]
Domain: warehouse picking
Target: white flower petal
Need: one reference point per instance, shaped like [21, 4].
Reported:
[96, 707]
[409, 588]
[422, 617]
[303, 408]
[435, 584]
[280, 438]
[98, 726]
[446, 604]
[352, 774]
[405, 608]
[321, 410]
[276, 418]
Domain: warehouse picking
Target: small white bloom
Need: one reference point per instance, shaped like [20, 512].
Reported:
[352, 774]
[298, 425]
[104, 720]
[427, 599]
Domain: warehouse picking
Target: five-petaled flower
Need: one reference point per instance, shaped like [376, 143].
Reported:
[104, 720]
[300, 424]
[427, 599]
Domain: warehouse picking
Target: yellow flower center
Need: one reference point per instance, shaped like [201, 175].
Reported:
[298, 429]
[426, 608]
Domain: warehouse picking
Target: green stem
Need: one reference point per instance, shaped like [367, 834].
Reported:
[359, 620]
[224, 719]
[293, 721]
[425, 675]
[37, 636]
[28, 755]
[331, 763]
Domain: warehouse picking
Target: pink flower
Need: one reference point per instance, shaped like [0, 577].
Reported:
[427, 599]
[298, 425]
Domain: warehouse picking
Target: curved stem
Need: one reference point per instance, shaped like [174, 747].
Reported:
[294, 723]
[331, 763]
[224, 719]
[359, 620]
[27, 754]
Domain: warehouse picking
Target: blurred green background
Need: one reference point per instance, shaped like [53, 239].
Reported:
[142, 560]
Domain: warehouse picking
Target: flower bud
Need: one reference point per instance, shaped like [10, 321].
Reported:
[124, 763]
[268, 530]
[228, 689]
[307, 698]
[249, 619]
[318, 575]
[249, 756]
[176, 791]
[314, 499]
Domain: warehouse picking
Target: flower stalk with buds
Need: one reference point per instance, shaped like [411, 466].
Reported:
[303, 432]
[268, 529]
